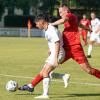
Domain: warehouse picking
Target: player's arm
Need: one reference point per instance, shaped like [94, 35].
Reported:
[57, 49]
[60, 21]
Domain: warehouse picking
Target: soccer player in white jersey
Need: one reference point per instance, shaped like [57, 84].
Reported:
[57, 54]
[95, 34]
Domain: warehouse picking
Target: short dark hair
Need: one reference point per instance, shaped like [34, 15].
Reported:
[63, 4]
[93, 12]
[41, 17]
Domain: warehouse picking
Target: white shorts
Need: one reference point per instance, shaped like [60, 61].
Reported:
[95, 37]
[50, 59]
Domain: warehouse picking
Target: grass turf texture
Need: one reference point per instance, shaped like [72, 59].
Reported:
[26, 56]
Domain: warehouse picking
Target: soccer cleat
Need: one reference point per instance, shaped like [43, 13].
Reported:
[88, 56]
[26, 87]
[66, 78]
[42, 97]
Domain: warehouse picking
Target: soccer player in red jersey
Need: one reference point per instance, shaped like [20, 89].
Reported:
[85, 23]
[71, 39]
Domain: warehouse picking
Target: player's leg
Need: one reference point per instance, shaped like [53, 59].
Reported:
[93, 71]
[43, 74]
[91, 42]
[46, 81]
[65, 77]
[84, 35]
[90, 47]
[80, 58]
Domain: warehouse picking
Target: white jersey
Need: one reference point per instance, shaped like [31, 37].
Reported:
[52, 35]
[95, 24]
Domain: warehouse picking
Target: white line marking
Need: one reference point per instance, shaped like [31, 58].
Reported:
[79, 83]
[16, 76]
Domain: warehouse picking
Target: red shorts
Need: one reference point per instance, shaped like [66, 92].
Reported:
[75, 52]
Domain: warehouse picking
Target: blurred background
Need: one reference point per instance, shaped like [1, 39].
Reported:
[15, 14]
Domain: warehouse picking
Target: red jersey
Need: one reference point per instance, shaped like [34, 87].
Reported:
[70, 34]
[85, 22]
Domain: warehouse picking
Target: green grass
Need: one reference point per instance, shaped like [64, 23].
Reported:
[25, 57]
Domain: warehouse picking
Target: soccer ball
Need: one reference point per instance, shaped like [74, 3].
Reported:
[11, 86]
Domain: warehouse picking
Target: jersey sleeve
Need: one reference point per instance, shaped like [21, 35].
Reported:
[70, 16]
[55, 35]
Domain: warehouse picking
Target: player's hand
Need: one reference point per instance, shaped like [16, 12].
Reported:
[96, 32]
[49, 52]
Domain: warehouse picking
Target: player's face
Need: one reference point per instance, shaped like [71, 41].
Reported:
[40, 24]
[62, 12]
[93, 15]
[84, 16]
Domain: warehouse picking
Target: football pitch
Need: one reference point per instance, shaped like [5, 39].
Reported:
[22, 58]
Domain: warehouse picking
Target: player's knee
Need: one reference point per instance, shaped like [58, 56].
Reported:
[86, 67]
[45, 74]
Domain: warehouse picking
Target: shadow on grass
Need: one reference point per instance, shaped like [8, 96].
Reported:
[58, 95]
[24, 94]
[74, 95]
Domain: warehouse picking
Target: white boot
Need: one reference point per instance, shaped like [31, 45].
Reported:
[66, 78]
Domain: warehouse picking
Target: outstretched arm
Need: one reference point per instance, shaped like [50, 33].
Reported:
[60, 21]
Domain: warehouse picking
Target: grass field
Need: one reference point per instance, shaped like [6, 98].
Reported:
[22, 58]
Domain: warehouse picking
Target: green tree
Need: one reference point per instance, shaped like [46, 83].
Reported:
[89, 4]
[25, 5]
[1, 8]
[10, 5]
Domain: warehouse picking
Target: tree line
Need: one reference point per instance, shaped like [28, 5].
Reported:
[44, 5]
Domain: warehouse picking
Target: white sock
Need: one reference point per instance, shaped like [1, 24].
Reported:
[89, 49]
[56, 75]
[51, 74]
[60, 75]
[46, 82]
[30, 85]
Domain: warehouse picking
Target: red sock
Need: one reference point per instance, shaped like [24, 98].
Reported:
[95, 72]
[36, 80]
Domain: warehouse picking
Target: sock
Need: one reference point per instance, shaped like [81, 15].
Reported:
[46, 82]
[55, 75]
[51, 74]
[89, 49]
[36, 80]
[95, 72]
[59, 75]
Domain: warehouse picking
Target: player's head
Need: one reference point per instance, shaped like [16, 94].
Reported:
[40, 21]
[63, 10]
[84, 16]
[93, 15]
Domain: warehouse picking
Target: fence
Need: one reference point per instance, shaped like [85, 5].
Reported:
[21, 32]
